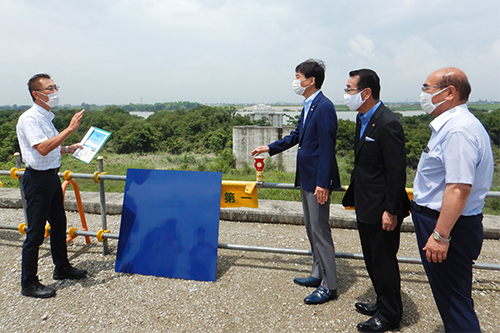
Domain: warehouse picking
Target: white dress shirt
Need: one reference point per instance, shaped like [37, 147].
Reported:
[33, 127]
[459, 151]
[307, 104]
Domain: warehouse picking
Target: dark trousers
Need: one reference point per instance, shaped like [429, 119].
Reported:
[451, 280]
[319, 232]
[44, 202]
[380, 250]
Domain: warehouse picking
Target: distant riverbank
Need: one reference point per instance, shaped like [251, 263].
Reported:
[346, 115]
[351, 115]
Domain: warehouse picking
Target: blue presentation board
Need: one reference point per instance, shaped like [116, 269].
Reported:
[170, 224]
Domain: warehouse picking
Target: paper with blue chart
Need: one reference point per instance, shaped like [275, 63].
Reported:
[170, 224]
[92, 142]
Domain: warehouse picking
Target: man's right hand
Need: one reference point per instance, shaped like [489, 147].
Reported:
[259, 150]
[75, 121]
[49, 145]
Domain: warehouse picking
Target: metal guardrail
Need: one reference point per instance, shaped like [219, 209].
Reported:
[104, 234]
[345, 255]
[288, 186]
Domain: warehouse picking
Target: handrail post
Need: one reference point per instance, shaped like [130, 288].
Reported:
[102, 196]
[19, 165]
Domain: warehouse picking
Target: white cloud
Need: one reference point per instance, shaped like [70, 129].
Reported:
[118, 51]
[362, 46]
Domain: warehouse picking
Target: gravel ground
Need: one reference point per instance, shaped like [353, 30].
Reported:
[254, 291]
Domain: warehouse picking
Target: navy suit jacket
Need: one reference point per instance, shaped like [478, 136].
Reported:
[379, 176]
[316, 161]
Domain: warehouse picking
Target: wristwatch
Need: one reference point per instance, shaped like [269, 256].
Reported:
[438, 237]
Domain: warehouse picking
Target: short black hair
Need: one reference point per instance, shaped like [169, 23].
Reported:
[367, 79]
[34, 82]
[313, 68]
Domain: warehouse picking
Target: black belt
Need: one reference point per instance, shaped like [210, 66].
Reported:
[421, 209]
[51, 171]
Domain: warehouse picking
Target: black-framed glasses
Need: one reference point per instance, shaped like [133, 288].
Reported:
[348, 90]
[51, 88]
[426, 87]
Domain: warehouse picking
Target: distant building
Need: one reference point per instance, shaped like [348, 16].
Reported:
[263, 111]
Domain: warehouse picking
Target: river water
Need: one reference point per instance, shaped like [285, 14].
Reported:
[346, 115]
[351, 115]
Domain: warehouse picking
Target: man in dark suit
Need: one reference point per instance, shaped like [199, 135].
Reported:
[377, 191]
[317, 174]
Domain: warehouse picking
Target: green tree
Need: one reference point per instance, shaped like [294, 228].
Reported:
[345, 136]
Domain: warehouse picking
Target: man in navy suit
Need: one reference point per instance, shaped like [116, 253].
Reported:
[377, 191]
[317, 175]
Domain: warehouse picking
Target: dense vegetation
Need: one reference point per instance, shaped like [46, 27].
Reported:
[194, 128]
[198, 137]
[201, 129]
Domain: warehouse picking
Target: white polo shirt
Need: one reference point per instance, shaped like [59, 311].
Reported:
[33, 127]
[459, 151]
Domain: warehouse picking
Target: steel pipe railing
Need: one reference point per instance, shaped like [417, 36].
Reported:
[267, 249]
[289, 186]
[344, 255]
[102, 201]
[286, 186]
[101, 176]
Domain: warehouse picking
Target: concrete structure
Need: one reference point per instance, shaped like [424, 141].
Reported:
[246, 138]
[263, 111]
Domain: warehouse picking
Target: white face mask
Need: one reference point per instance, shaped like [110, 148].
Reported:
[297, 87]
[53, 99]
[354, 101]
[426, 101]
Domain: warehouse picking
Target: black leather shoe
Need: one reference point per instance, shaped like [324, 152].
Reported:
[374, 324]
[308, 282]
[38, 290]
[69, 272]
[321, 295]
[366, 308]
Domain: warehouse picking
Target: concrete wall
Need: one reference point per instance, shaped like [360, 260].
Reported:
[246, 138]
[275, 119]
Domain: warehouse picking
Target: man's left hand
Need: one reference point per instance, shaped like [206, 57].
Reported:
[389, 221]
[321, 194]
[436, 251]
[74, 147]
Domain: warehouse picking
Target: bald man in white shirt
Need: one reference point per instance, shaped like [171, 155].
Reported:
[453, 178]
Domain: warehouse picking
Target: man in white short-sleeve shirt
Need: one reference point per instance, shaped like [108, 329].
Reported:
[41, 150]
[453, 178]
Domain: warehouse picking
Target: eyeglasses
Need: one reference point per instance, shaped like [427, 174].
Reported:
[348, 90]
[51, 88]
[426, 87]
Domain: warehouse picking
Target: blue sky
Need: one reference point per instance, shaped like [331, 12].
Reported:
[245, 51]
